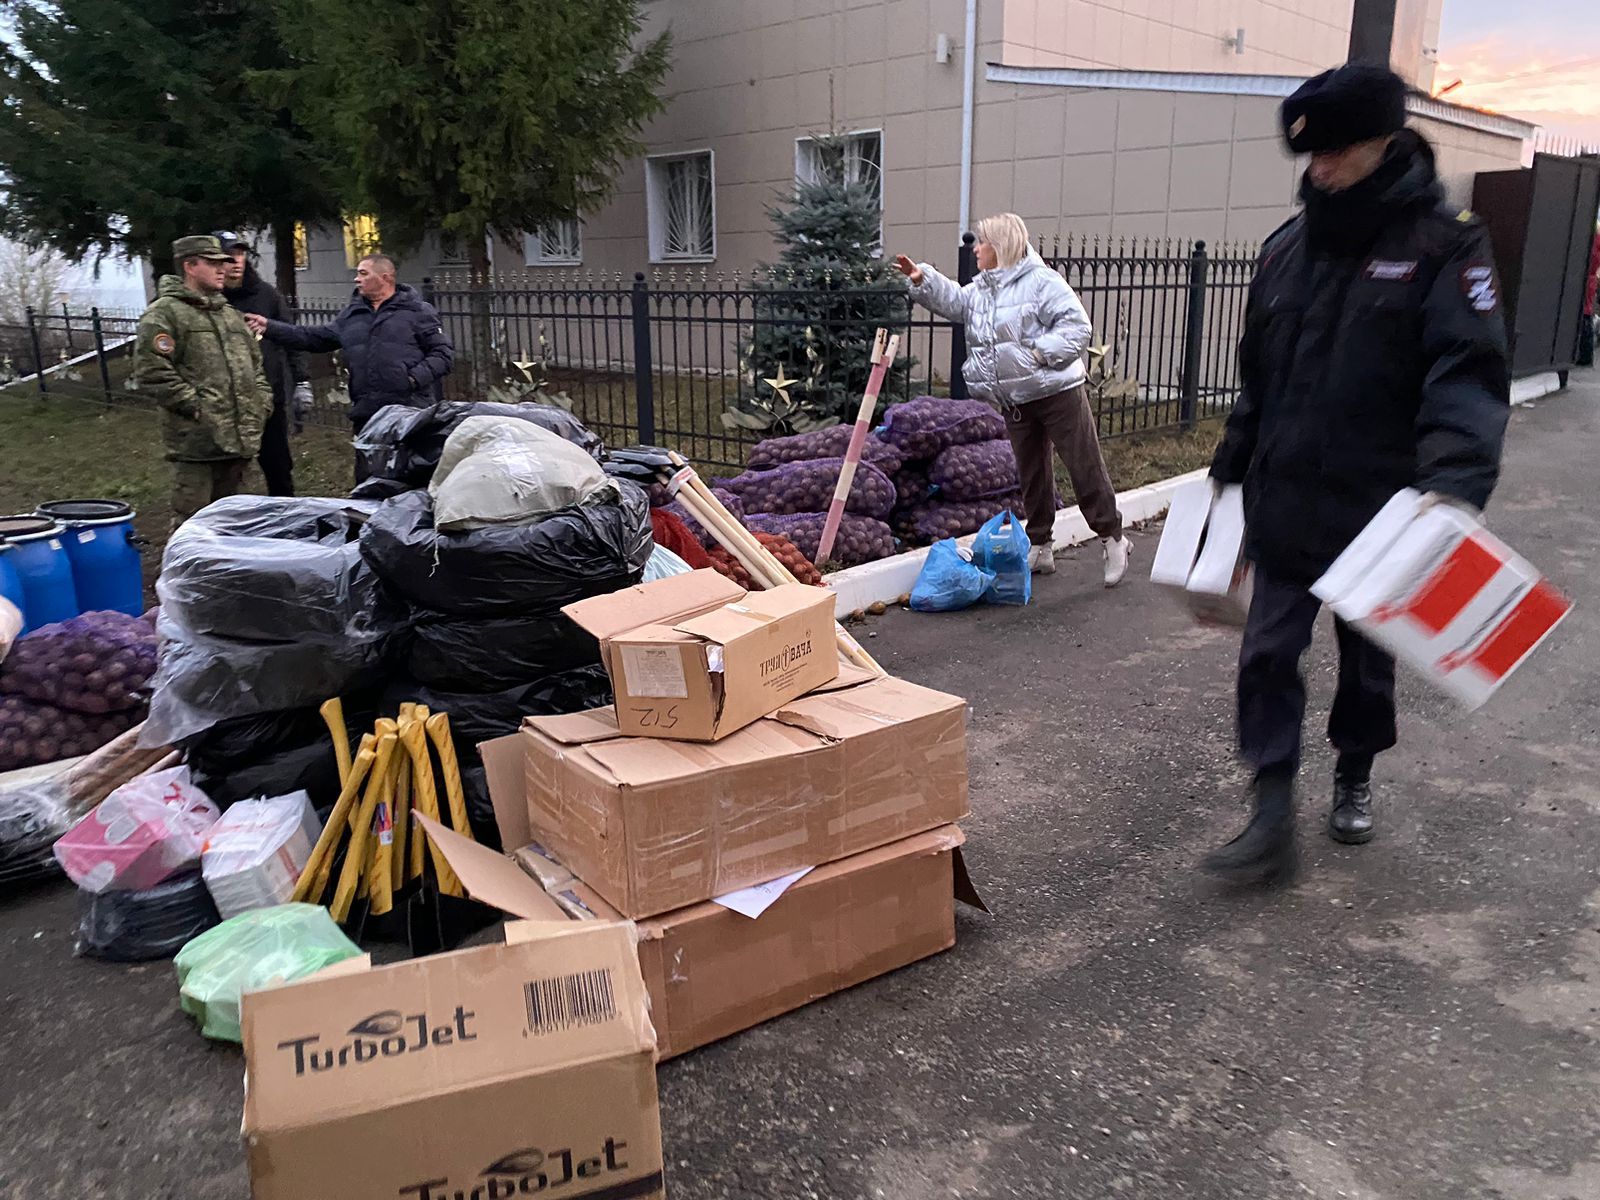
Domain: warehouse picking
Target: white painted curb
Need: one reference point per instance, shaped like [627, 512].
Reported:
[1525, 391]
[886, 580]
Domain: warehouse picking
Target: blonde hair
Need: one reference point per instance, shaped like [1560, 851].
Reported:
[1007, 234]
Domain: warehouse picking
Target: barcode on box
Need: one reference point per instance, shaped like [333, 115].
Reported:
[570, 1001]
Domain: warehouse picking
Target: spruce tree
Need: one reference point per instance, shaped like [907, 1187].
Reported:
[818, 307]
[127, 123]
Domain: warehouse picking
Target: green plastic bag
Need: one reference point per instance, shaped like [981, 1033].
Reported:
[254, 950]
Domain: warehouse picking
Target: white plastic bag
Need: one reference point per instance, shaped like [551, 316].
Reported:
[494, 470]
[662, 563]
[145, 832]
[254, 855]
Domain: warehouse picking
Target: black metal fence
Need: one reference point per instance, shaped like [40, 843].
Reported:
[660, 359]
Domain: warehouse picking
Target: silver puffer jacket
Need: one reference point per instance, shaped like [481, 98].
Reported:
[1026, 330]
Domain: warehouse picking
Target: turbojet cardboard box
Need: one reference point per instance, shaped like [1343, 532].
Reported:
[507, 1070]
[1201, 553]
[695, 657]
[1444, 595]
[655, 825]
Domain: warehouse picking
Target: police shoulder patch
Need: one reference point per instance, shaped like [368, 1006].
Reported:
[1478, 286]
[163, 344]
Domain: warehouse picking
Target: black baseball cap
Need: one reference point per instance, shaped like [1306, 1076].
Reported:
[231, 241]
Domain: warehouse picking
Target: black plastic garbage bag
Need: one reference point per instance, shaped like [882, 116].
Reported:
[274, 754]
[32, 817]
[490, 654]
[139, 926]
[481, 718]
[404, 444]
[478, 717]
[269, 568]
[516, 568]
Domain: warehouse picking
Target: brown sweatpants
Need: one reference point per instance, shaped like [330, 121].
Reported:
[1061, 424]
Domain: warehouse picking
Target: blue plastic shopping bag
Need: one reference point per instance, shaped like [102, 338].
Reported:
[1001, 547]
[948, 580]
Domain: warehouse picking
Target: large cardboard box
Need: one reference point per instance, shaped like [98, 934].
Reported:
[712, 972]
[515, 1069]
[654, 825]
[1200, 556]
[695, 657]
[1444, 595]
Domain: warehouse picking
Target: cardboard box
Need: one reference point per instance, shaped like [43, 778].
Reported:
[695, 657]
[654, 825]
[515, 1069]
[1201, 553]
[1444, 595]
[712, 972]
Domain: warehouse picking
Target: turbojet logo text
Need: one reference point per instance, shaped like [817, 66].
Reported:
[527, 1173]
[385, 1034]
[785, 658]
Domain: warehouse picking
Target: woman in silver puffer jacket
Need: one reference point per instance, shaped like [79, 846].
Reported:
[1026, 334]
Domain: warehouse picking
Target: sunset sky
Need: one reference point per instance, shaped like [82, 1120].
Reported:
[1538, 59]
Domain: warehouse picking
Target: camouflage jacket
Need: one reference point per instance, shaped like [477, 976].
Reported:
[198, 359]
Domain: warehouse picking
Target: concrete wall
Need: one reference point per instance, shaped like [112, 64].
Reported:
[1282, 37]
[1463, 152]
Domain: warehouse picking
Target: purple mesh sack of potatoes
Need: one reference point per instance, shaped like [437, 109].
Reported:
[928, 425]
[976, 471]
[807, 487]
[831, 442]
[729, 502]
[860, 539]
[951, 518]
[97, 663]
[911, 485]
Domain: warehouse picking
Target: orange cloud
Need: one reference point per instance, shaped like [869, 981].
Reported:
[1559, 91]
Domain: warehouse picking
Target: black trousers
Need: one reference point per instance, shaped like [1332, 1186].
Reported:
[277, 463]
[1272, 691]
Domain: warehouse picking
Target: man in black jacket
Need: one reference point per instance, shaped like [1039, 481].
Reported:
[1373, 359]
[287, 371]
[395, 348]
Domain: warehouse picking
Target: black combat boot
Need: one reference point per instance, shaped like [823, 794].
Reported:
[1350, 818]
[1265, 852]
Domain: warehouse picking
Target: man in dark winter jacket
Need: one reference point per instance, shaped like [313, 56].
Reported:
[286, 369]
[394, 345]
[1373, 359]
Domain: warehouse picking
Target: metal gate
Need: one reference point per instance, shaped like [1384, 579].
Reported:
[1541, 220]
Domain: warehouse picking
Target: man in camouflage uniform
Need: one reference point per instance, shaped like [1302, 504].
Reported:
[198, 359]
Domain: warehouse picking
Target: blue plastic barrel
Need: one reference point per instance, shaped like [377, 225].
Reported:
[40, 558]
[10, 581]
[106, 572]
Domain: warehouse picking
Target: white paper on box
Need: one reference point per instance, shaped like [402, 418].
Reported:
[1180, 536]
[755, 900]
[655, 672]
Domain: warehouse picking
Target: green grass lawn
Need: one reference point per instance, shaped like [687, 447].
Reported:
[63, 447]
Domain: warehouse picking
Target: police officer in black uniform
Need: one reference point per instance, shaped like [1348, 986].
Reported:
[1373, 359]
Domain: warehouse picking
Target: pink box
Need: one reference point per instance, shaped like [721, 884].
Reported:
[143, 833]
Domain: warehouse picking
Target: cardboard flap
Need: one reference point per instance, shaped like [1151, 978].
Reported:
[505, 767]
[661, 602]
[490, 876]
[880, 704]
[733, 620]
[576, 729]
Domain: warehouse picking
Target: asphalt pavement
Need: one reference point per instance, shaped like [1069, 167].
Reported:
[1415, 1020]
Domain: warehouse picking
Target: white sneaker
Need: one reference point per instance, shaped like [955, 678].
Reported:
[1042, 559]
[1117, 555]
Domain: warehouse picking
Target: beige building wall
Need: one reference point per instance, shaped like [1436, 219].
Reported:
[1462, 152]
[1281, 37]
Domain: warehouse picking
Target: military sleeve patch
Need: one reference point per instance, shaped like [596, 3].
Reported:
[1477, 284]
[163, 344]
